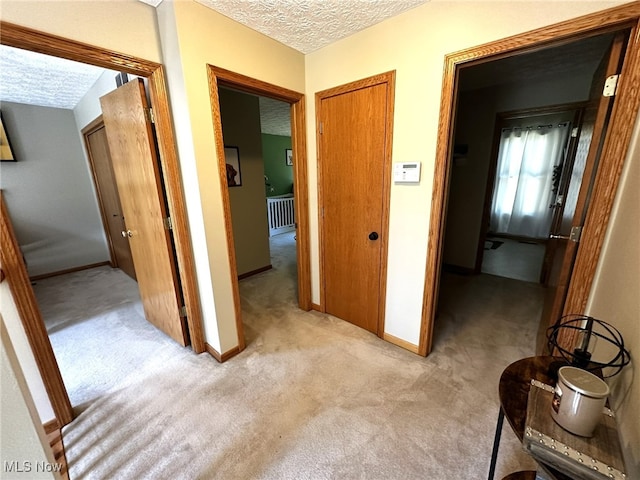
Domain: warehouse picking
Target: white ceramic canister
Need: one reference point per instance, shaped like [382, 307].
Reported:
[578, 400]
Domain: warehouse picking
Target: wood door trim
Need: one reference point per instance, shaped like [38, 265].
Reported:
[617, 143]
[388, 78]
[33, 40]
[220, 77]
[177, 206]
[91, 128]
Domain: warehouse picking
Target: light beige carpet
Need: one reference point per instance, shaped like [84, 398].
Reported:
[311, 397]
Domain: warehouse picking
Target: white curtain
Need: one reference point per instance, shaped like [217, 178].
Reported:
[523, 189]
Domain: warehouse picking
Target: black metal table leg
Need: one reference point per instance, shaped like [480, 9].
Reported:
[496, 445]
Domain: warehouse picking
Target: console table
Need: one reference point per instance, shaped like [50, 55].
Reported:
[514, 392]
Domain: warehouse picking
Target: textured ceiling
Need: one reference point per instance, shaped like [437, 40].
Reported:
[35, 79]
[275, 117]
[573, 59]
[308, 25]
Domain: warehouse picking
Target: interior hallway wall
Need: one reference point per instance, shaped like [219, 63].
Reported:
[275, 167]
[49, 192]
[88, 108]
[24, 452]
[241, 128]
[614, 299]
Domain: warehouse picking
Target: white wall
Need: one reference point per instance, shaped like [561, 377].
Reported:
[49, 192]
[415, 44]
[28, 449]
[88, 108]
[23, 351]
[614, 299]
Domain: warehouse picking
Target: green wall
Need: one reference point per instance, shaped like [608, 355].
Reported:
[275, 167]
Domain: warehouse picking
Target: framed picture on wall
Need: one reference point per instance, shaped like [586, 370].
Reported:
[288, 155]
[232, 159]
[6, 152]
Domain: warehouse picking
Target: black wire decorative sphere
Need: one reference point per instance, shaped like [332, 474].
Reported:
[580, 356]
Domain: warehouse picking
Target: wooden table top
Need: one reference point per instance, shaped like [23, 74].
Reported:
[515, 383]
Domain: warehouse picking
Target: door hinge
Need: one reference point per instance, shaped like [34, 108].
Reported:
[574, 132]
[575, 234]
[610, 86]
[168, 224]
[321, 128]
[183, 311]
[152, 116]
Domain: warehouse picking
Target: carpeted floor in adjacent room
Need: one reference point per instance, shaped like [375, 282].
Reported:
[311, 397]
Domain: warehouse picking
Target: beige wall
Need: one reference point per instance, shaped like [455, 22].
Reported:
[127, 26]
[614, 299]
[241, 128]
[414, 44]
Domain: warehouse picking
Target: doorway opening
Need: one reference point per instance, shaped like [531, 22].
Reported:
[533, 158]
[259, 165]
[27, 39]
[226, 88]
[482, 66]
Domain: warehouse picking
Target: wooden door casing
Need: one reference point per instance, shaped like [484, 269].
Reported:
[137, 173]
[354, 139]
[100, 160]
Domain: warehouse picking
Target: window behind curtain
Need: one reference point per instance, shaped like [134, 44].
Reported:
[524, 187]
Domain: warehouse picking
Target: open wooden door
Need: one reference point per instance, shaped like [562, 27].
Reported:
[138, 177]
[569, 219]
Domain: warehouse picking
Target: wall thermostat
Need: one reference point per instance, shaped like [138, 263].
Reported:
[406, 172]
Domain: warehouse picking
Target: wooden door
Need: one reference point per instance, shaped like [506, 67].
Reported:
[570, 219]
[568, 184]
[137, 173]
[354, 157]
[100, 159]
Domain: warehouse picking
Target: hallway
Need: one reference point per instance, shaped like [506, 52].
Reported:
[309, 394]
